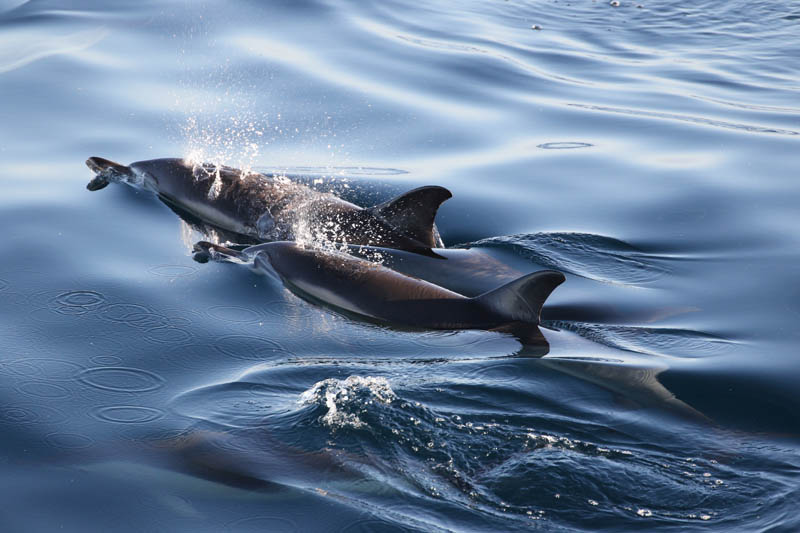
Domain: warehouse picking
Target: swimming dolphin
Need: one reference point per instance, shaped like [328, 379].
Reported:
[377, 293]
[270, 207]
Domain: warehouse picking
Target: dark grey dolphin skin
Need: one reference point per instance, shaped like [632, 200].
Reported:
[270, 208]
[377, 293]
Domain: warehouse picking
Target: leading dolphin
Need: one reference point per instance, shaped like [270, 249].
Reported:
[377, 293]
[270, 207]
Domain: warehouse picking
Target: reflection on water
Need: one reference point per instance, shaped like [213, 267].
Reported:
[647, 152]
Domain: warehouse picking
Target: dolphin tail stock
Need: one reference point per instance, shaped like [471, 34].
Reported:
[521, 300]
[413, 213]
[105, 169]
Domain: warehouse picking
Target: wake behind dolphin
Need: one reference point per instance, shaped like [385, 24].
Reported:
[269, 207]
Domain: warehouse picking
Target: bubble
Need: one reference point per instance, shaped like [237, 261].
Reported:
[121, 379]
[128, 414]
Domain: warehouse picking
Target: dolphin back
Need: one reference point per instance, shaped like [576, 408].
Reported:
[413, 213]
[522, 299]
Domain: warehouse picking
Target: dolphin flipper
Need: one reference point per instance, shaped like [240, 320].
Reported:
[413, 213]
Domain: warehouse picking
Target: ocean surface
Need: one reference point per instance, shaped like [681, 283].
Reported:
[648, 150]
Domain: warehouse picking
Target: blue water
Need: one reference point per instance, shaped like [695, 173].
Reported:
[651, 153]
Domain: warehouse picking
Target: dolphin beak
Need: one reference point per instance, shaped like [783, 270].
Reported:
[99, 182]
[103, 168]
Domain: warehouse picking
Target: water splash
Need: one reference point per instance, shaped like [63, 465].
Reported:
[346, 399]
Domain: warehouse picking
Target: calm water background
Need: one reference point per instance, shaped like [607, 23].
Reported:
[651, 153]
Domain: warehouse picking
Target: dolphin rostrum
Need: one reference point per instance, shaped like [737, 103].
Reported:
[377, 293]
[271, 208]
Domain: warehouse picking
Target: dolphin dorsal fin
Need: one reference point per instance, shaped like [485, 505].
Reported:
[413, 213]
[522, 299]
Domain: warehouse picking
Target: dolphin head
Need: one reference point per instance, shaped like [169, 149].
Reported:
[105, 171]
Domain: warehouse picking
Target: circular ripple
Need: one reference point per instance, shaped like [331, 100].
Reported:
[121, 379]
[82, 299]
[168, 335]
[273, 524]
[172, 271]
[69, 441]
[128, 414]
[106, 360]
[32, 414]
[564, 145]
[47, 369]
[284, 309]
[52, 316]
[250, 348]
[236, 314]
[41, 389]
[125, 313]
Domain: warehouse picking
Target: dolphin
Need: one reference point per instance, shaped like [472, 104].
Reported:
[273, 208]
[379, 294]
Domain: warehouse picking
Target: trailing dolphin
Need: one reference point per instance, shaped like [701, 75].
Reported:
[269, 207]
[375, 292]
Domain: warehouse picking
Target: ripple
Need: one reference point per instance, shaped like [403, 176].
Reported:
[4, 284]
[233, 313]
[372, 524]
[43, 368]
[41, 389]
[69, 441]
[669, 342]
[192, 356]
[563, 145]
[168, 335]
[128, 414]
[32, 414]
[284, 309]
[450, 339]
[503, 373]
[273, 524]
[703, 121]
[52, 316]
[250, 348]
[172, 271]
[583, 254]
[121, 379]
[83, 299]
[135, 315]
[106, 360]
